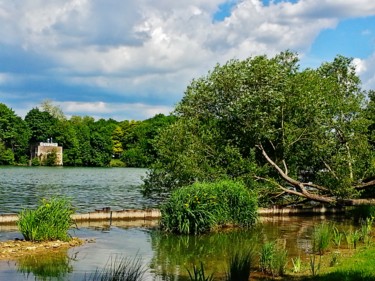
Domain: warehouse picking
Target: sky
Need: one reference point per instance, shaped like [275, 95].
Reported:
[132, 59]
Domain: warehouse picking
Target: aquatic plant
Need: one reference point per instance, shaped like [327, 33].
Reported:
[239, 267]
[51, 220]
[202, 207]
[297, 264]
[273, 258]
[315, 264]
[120, 268]
[352, 238]
[321, 237]
[337, 237]
[198, 274]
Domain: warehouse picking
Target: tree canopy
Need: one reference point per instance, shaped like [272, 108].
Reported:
[294, 134]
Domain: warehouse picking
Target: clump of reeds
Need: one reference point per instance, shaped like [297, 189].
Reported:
[198, 274]
[239, 267]
[273, 258]
[120, 269]
[51, 220]
[321, 237]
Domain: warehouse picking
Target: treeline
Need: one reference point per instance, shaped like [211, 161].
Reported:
[85, 141]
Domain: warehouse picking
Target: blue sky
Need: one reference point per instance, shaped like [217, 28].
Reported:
[132, 59]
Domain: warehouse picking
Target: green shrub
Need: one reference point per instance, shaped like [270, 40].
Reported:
[49, 221]
[202, 207]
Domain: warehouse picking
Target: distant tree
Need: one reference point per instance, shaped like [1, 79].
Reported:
[14, 135]
[41, 124]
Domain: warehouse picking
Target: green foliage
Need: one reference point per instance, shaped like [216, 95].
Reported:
[202, 207]
[51, 220]
[321, 237]
[198, 274]
[273, 258]
[6, 155]
[124, 269]
[310, 122]
[239, 267]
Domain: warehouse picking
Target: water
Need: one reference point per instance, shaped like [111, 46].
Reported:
[165, 256]
[89, 188]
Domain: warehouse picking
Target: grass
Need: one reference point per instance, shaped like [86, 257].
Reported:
[120, 269]
[51, 220]
[198, 274]
[202, 207]
[321, 238]
[239, 267]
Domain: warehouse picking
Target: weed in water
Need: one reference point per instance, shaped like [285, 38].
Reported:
[315, 264]
[267, 253]
[198, 274]
[239, 267]
[120, 268]
[321, 237]
[297, 264]
[337, 237]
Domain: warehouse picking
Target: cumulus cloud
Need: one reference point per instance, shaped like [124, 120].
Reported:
[145, 49]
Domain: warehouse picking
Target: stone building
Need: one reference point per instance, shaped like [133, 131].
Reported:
[43, 149]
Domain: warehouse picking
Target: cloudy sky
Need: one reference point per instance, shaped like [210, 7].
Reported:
[132, 59]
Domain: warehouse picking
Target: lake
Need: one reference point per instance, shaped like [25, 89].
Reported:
[165, 256]
[89, 188]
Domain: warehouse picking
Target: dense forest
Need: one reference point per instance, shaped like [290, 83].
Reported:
[85, 141]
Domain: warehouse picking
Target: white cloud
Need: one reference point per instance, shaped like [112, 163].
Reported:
[141, 48]
[117, 111]
[366, 70]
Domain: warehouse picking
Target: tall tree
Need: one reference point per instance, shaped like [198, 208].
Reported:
[296, 133]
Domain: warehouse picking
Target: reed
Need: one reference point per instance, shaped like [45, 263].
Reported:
[315, 264]
[297, 264]
[322, 235]
[202, 207]
[51, 220]
[337, 237]
[267, 253]
[198, 274]
[120, 268]
[239, 267]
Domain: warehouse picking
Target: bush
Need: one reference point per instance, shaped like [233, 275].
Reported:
[49, 221]
[202, 207]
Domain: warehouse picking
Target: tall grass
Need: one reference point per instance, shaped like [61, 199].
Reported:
[120, 269]
[273, 259]
[51, 220]
[198, 274]
[321, 238]
[202, 207]
[239, 267]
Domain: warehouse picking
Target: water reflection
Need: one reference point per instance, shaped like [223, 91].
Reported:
[174, 254]
[47, 266]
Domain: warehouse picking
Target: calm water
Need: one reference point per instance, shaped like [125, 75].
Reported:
[89, 188]
[166, 257]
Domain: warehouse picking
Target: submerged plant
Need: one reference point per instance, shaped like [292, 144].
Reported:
[51, 220]
[198, 274]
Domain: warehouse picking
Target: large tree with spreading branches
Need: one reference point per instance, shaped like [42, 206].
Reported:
[293, 134]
